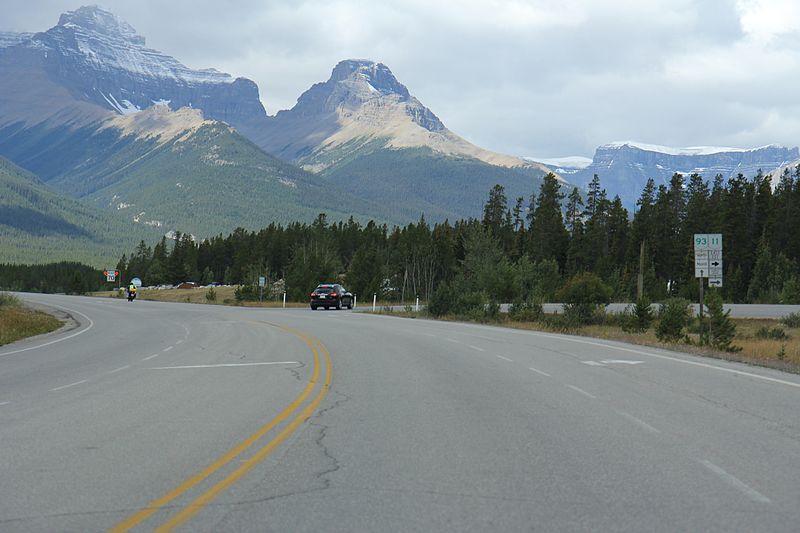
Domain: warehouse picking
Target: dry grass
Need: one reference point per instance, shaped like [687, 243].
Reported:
[223, 296]
[18, 322]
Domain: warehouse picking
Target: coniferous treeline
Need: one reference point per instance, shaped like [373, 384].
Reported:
[524, 250]
[64, 277]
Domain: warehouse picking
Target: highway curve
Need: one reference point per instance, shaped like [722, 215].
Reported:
[156, 416]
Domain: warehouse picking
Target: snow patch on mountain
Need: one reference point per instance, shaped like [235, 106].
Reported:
[688, 151]
[571, 162]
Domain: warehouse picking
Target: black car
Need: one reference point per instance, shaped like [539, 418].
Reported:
[330, 295]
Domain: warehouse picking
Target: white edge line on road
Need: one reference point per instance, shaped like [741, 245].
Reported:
[168, 348]
[476, 348]
[668, 358]
[226, 365]
[68, 386]
[576, 389]
[4, 403]
[539, 372]
[150, 357]
[504, 358]
[91, 323]
[452, 340]
[735, 482]
[639, 422]
[179, 341]
[120, 369]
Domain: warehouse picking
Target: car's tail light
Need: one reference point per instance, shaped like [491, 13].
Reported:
[312, 294]
[333, 294]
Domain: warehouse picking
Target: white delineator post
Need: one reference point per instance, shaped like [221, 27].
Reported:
[355, 300]
[416, 305]
[284, 299]
[374, 299]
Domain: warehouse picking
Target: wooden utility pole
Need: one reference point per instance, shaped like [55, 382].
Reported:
[640, 277]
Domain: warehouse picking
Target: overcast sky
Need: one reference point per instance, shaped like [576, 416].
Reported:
[546, 78]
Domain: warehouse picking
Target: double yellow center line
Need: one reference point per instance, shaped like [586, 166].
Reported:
[201, 501]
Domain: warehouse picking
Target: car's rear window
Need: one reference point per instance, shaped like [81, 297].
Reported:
[324, 290]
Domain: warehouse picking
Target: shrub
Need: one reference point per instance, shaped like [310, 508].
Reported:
[441, 301]
[582, 295]
[792, 320]
[674, 316]
[721, 329]
[211, 295]
[246, 293]
[526, 311]
[776, 333]
[8, 300]
[638, 317]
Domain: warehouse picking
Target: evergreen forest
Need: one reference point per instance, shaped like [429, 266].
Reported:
[523, 249]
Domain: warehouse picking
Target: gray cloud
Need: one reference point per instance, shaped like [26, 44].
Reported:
[535, 77]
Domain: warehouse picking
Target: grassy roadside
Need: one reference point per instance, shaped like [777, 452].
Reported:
[779, 353]
[221, 296]
[18, 322]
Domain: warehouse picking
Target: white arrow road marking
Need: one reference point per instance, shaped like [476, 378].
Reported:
[750, 492]
[226, 365]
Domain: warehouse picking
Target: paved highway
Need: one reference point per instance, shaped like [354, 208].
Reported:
[155, 416]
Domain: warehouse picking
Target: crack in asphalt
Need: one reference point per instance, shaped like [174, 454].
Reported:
[295, 371]
[321, 476]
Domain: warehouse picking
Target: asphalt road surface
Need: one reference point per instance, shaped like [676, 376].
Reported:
[151, 416]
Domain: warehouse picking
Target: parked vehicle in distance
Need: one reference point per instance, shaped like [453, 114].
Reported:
[329, 295]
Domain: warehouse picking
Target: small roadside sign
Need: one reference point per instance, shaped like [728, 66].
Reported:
[111, 275]
[715, 282]
[262, 281]
[708, 257]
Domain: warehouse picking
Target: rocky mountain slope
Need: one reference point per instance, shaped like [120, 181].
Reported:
[363, 131]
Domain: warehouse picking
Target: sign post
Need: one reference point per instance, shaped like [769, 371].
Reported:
[707, 262]
[261, 282]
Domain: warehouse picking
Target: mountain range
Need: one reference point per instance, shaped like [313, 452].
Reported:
[124, 133]
[625, 167]
[100, 117]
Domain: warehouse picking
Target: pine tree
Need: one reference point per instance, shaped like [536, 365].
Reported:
[549, 237]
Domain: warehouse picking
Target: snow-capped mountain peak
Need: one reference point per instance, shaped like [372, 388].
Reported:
[103, 64]
[97, 20]
[98, 40]
[377, 76]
